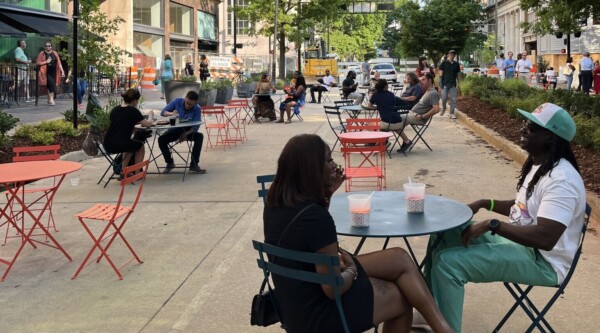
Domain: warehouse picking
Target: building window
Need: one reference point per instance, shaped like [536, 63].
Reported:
[148, 12]
[207, 28]
[243, 26]
[56, 6]
[148, 50]
[180, 19]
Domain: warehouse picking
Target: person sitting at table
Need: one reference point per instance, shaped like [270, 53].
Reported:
[425, 108]
[186, 109]
[263, 104]
[385, 102]
[349, 88]
[537, 244]
[325, 84]
[412, 94]
[379, 287]
[123, 118]
[295, 96]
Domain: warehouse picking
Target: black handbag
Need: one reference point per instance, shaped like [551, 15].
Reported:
[264, 311]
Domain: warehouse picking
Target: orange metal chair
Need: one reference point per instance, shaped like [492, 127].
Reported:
[245, 106]
[364, 160]
[110, 214]
[363, 124]
[33, 153]
[215, 120]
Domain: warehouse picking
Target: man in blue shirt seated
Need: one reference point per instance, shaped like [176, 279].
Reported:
[186, 109]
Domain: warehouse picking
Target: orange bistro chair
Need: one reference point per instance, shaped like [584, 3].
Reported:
[112, 217]
[245, 106]
[364, 160]
[363, 124]
[34, 153]
[215, 120]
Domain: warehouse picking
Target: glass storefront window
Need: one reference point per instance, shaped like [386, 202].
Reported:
[180, 51]
[180, 18]
[148, 12]
[148, 51]
[57, 6]
[206, 26]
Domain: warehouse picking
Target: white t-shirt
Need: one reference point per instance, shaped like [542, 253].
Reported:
[559, 195]
[524, 66]
[327, 82]
[551, 76]
[500, 64]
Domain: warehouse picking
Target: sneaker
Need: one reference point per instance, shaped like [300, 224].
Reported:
[442, 113]
[452, 116]
[197, 169]
[30, 100]
[313, 102]
[169, 167]
[404, 146]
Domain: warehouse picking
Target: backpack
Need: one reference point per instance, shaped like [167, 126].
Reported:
[89, 143]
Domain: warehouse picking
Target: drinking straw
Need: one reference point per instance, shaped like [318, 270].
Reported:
[409, 180]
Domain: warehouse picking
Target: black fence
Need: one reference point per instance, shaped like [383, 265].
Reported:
[19, 84]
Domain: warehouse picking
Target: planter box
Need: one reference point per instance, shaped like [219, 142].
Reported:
[245, 90]
[207, 97]
[175, 89]
[224, 95]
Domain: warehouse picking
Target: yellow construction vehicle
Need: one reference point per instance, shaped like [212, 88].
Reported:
[315, 64]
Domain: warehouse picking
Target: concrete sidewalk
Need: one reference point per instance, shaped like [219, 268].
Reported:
[199, 272]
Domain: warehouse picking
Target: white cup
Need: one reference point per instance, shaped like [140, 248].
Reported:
[415, 197]
[360, 210]
[74, 180]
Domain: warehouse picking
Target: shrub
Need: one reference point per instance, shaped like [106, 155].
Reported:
[588, 131]
[44, 132]
[188, 78]
[7, 123]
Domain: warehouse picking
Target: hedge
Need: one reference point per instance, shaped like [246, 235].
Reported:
[510, 95]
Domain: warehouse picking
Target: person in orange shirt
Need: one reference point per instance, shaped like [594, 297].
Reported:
[51, 70]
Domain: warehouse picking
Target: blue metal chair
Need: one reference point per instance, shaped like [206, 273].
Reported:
[523, 301]
[299, 104]
[263, 180]
[331, 278]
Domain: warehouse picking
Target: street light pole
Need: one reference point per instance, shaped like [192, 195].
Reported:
[234, 29]
[74, 66]
[275, 41]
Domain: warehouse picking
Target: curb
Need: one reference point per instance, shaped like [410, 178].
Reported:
[76, 156]
[517, 154]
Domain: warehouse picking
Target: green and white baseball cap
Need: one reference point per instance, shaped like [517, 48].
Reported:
[553, 118]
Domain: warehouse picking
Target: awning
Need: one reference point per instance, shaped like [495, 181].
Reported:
[7, 30]
[46, 26]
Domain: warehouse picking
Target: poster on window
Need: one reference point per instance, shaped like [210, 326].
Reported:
[206, 26]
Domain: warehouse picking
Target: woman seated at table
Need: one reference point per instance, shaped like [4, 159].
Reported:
[296, 95]
[412, 94]
[385, 102]
[263, 104]
[379, 287]
[123, 119]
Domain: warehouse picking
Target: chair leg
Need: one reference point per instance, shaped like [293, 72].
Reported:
[98, 245]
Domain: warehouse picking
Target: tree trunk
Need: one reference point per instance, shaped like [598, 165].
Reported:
[281, 45]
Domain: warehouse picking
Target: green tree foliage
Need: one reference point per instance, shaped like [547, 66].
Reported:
[94, 29]
[356, 35]
[559, 15]
[295, 20]
[437, 27]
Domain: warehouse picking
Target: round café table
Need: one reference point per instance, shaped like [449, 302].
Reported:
[389, 217]
[15, 177]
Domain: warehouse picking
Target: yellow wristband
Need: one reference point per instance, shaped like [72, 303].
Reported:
[491, 205]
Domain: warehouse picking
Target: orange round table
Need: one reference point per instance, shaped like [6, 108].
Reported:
[14, 178]
[365, 135]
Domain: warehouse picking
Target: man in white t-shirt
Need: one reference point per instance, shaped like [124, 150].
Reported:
[536, 242]
[523, 67]
[325, 84]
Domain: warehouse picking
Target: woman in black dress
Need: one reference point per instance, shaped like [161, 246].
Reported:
[123, 119]
[204, 74]
[263, 104]
[379, 287]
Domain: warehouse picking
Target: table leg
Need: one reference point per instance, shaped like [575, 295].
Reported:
[360, 244]
[36, 223]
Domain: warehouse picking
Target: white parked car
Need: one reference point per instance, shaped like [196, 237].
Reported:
[386, 71]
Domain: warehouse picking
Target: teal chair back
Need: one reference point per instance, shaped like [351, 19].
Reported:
[264, 189]
[331, 278]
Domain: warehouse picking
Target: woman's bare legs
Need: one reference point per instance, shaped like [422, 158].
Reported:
[390, 307]
[288, 110]
[139, 156]
[395, 265]
[125, 161]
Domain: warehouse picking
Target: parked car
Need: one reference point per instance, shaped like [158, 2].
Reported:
[386, 71]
